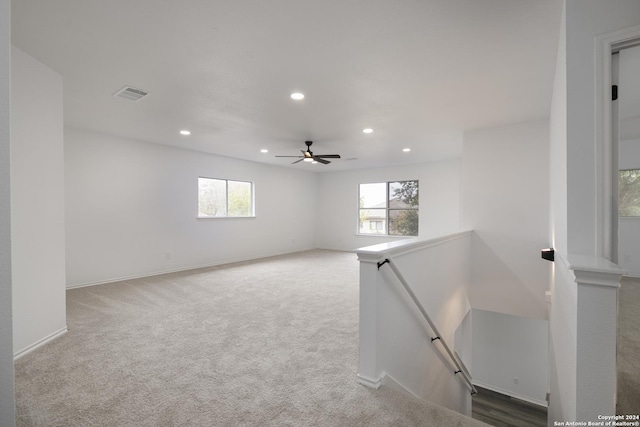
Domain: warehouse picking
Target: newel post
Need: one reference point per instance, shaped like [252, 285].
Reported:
[598, 281]
[368, 374]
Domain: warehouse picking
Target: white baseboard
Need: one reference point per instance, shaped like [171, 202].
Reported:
[39, 343]
[177, 270]
[369, 382]
[391, 382]
[512, 394]
[388, 381]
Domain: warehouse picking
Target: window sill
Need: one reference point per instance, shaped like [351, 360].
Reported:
[226, 217]
[386, 235]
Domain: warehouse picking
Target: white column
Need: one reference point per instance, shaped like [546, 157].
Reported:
[368, 368]
[598, 281]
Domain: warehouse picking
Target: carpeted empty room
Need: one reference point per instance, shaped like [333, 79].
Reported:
[269, 342]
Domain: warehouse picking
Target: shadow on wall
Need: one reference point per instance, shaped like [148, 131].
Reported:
[505, 280]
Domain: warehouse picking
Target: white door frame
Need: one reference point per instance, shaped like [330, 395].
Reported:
[606, 164]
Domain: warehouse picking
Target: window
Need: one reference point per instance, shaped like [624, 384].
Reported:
[388, 208]
[224, 198]
[629, 192]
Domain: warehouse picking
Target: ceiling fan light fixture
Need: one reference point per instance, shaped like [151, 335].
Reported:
[308, 159]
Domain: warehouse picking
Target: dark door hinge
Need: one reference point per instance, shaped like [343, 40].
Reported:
[614, 92]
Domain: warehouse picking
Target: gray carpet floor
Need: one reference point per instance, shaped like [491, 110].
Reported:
[267, 343]
[628, 401]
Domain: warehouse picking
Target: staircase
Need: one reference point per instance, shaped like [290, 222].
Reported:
[414, 318]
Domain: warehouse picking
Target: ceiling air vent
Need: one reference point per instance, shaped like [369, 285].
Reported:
[131, 93]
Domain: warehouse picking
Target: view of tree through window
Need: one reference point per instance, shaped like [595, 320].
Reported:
[629, 193]
[224, 198]
[239, 198]
[389, 208]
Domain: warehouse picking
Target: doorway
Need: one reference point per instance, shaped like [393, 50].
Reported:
[626, 158]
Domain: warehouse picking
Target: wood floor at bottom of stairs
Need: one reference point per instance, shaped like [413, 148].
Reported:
[501, 410]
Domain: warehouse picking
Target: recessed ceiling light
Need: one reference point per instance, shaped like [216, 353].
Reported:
[185, 132]
[297, 96]
[367, 130]
[264, 150]
[406, 150]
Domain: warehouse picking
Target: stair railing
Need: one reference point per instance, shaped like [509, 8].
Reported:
[454, 358]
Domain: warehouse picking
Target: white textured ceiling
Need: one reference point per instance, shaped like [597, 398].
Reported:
[419, 72]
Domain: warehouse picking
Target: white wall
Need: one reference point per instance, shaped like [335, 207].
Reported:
[37, 202]
[7, 400]
[558, 149]
[510, 355]
[506, 203]
[585, 20]
[563, 312]
[629, 228]
[131, 203]
[573, 136]
[337, 220]
[563, 331]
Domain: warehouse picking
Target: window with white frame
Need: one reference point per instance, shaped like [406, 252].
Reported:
[224, 198]
[388, 208]
[629, 192]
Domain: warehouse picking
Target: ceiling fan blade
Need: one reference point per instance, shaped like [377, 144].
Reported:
[308, 155]
[319, 160]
